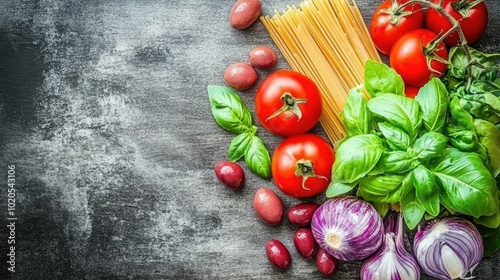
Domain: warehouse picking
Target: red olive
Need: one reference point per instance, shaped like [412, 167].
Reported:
[326, 263]
[268, 206]
[304, 242]
[301, 214]
[278, 254]
[230, 174]
[262, 57]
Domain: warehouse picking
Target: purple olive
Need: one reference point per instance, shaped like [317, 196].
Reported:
[230, 174]
[304, 242]
[278, 254]
[301, 214]
[326, 263]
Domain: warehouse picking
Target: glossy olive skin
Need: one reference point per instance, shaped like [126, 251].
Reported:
[326, 263]
[262, 57]
[244, 13]
[301, 214]
[268, 206]
[278, 254]
[230, 174]
[304, 242]
[240, 76]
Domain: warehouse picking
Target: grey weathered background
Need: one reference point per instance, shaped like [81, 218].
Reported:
[104, 112]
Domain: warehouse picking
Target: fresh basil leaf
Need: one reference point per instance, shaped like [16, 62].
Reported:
[338, 188]
[484, 105]
[397, 139]
[492, 221]
[257, 158]
[413, 212]
[458, 62]
[355, 157]
[460, 116]
[400, 111]
[464, 140]
[397, 162]
[381, 188]
[491, 236]
[229, 110]
[429, 145]
[239, 146]
[426, 189]
[381, 79]
[355, 115]
[467, 183]
[433, 101]
[485, 60]
[489, 137]
[382, 208]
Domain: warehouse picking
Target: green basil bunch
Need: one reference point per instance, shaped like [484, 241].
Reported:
[475, 84]
[233, 115]
[422, 153]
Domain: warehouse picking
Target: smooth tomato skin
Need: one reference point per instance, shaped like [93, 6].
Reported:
[302, 147]
[473, 26]
[384, 34]
[408, 60]
[268, 101]
[411, 91]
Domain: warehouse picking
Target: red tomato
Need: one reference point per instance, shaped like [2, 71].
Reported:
[288, 103]
[302, 165]
[411, 91]
[389, 24]
[408, 59]
[472, 26]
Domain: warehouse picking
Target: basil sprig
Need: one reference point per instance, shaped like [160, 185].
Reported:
[233, 115]
[426, 154]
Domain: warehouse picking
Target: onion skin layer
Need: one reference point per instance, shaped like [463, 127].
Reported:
[448, 248]
[347, 228]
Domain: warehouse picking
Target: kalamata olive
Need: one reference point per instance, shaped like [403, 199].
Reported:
[301, 214]
[278, 254]
[262, 57]
[240, 76]
[244, 13]
[268, 206]
[304, 242]
[230, 174]
[326, 263]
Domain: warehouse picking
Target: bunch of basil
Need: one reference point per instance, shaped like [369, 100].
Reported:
[417, 153]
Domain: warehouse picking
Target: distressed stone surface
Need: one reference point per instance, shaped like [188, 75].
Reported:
[104, 112]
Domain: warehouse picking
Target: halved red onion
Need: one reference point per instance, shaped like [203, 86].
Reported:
[448, 248]
[391, 261]
[347, 228]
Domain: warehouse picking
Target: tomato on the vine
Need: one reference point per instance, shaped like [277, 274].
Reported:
[302, 165]
[411, 91]
[413, 57]
[471, 14]
[288, 103]
[389, 23]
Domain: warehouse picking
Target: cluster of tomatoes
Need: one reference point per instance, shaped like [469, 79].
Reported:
[289, 104]
[410, 32]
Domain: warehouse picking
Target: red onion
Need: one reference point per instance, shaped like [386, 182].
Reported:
[347, 228]
[391, 261]
[449, 248]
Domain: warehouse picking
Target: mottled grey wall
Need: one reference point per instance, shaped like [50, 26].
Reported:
[104, 112]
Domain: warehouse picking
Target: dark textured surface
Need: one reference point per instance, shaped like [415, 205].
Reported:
[104, 112]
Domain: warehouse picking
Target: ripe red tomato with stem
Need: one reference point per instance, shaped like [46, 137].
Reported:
[417, 57]
[389, 23]
[288, 103]
[302, 165]
[472, 16]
